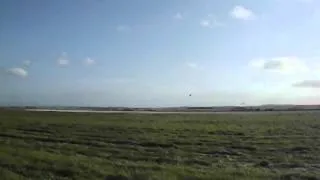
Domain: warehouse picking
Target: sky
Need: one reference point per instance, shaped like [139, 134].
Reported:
[156, 53]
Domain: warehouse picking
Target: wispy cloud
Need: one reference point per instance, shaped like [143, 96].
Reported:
[192, 65]
[297, 1]
[27, 63]
[306, 1]
[89, 61]
[242, 13]
[205, 23]
[106, 81]
[211, 21]
[307, 84]
[178, 16]
[123, 28]
[119, 80]
[286, 65]
[63, 59]
[20, 72]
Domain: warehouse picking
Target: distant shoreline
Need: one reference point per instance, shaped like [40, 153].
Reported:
[167, 112]
[221, 109]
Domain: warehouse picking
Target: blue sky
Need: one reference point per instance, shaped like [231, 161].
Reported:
[154, 53]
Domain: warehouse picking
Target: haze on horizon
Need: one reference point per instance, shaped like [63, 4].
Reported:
[155, 53]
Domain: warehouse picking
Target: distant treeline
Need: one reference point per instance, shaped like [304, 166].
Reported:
[177, 109]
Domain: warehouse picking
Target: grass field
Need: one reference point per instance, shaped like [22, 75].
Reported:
[53, 145]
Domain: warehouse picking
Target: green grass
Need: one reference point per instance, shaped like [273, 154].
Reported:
[52, 145]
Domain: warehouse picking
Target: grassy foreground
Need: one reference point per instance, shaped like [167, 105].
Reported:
[52, 145]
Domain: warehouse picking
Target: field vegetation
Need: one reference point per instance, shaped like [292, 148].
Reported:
[53, 145]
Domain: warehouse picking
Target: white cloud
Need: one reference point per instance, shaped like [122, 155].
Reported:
[63, 59]
[242, 13]
[286, 65]
[123, 28]
[210, 21]
[20, 72]
[89, 61]
[178, 16]
[308, 84]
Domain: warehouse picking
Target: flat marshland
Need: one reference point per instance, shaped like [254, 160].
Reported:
[61, 145]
